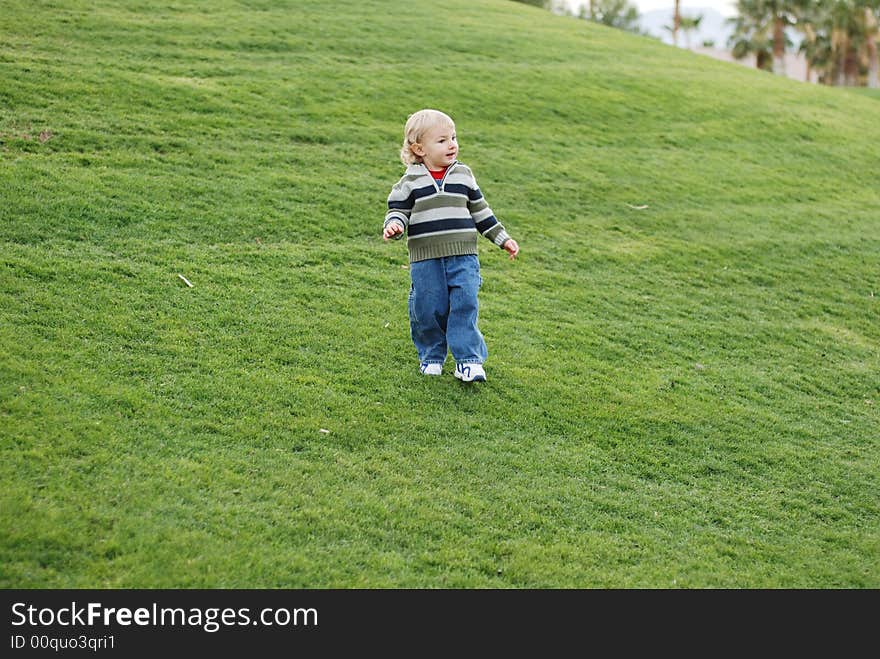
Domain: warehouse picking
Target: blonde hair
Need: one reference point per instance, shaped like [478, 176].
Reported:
[417, 124]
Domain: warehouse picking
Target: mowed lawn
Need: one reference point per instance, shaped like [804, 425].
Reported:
[206, 375]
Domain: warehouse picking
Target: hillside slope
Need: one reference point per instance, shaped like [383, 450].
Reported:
[683, 363]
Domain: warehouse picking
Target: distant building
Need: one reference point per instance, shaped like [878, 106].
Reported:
[795, 63]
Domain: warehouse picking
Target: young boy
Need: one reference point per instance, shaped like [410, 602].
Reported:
[438, 204]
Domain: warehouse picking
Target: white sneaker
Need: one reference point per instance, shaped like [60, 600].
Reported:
[431, 369]
[470, 372]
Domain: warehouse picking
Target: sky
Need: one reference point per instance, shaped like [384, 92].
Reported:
[725, 7]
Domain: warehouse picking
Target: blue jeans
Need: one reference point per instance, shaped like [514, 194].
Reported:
[443, 309]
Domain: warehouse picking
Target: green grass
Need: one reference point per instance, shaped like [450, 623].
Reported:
[683, 395]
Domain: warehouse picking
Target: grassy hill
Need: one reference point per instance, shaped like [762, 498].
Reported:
[683, 363]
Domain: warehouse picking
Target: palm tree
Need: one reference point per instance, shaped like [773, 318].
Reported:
[844, 66]
[840, 40]
[621, 14]
[811, 47]
[676, 21]
[751, 36]
[688, 25]
[815, 46]
[772, 17]
[870, 24]
[853, 31]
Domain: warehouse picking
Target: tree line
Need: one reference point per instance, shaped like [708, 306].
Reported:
[838, 37]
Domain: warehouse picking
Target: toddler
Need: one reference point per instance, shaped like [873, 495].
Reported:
[440, 208]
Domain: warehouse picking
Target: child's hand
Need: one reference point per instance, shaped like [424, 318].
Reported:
[511, 247]
[392, 230]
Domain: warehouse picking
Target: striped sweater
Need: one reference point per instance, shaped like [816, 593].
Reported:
[442, 218]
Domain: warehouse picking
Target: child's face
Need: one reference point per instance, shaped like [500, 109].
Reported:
[438, 147]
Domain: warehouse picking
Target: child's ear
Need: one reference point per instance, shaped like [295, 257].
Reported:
[417, 149]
